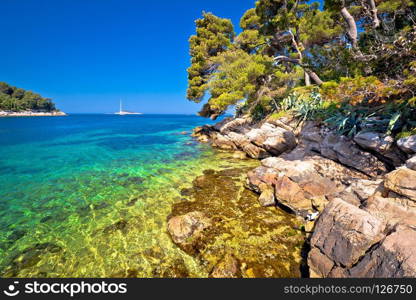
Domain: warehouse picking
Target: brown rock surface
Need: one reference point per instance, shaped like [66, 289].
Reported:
[267, 195]
[403, 182]
[275, 140]
[344, 232]
[320, 265]
[228, 267]
[186, 227]
[340, 148]
[394, 257]
[301, 185]
[222, 142]
[381, 145]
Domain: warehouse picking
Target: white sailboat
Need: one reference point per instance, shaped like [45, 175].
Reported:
[124, 112]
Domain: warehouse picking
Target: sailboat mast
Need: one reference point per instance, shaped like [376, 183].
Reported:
[120, 106]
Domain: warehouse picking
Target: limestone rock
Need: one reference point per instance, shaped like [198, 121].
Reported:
[222, 142]
[381, 145]
[267, 195]
[395, 257]
[291, 195]
[319, 264]
[295, 169]
[403, 182]
[228, 267]
[374, 141]
[280, 143]
[339, 148]
[189, 226]
[222, 123]
[275, 140]
[391, 211]
[238, 139]
[255, 152]
[407, 144]
[261, 175]
[360, 190]
[311, 136]
[283, 123]
[239, 155]
[301, 185]
[229, 124]
[411, 163]
[344, 232]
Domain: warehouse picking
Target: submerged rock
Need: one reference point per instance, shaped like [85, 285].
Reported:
[267, 195]
[186, 227]
[241, 238]
[364, 212]
[119, 225]
[28, 258]
[132, 180]
[177, 269]
[228, 267]
[12, 238]
[239, 155]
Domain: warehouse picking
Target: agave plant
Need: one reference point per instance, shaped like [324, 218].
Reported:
[350, 121]
[303, 108]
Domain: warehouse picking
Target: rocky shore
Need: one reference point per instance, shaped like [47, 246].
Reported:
[31, 114]
[354, 198]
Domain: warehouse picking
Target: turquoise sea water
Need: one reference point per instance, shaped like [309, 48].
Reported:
[88, 195]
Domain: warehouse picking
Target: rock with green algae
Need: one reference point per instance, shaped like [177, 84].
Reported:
[28, 258]
[188, 226]
[243, 239]
[228, 267]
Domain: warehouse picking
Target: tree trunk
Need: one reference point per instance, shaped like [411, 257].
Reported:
[296, 45]
[307, 79]
[373, 10]
[351, 27]
[309, 73]
[314, 77]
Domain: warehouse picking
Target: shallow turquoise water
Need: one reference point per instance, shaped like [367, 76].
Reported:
[88, 195]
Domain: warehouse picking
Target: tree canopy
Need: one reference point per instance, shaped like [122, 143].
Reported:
[17, 99]
[291, 47]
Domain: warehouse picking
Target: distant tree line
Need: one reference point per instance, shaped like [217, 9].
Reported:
[17, 99]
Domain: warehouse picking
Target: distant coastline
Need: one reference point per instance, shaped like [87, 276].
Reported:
[31, 113]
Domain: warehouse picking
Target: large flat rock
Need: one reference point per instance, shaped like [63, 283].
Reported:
[345, 232]
[395, 257]
[403, 182]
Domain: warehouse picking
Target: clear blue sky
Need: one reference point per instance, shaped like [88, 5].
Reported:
[87, 54]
